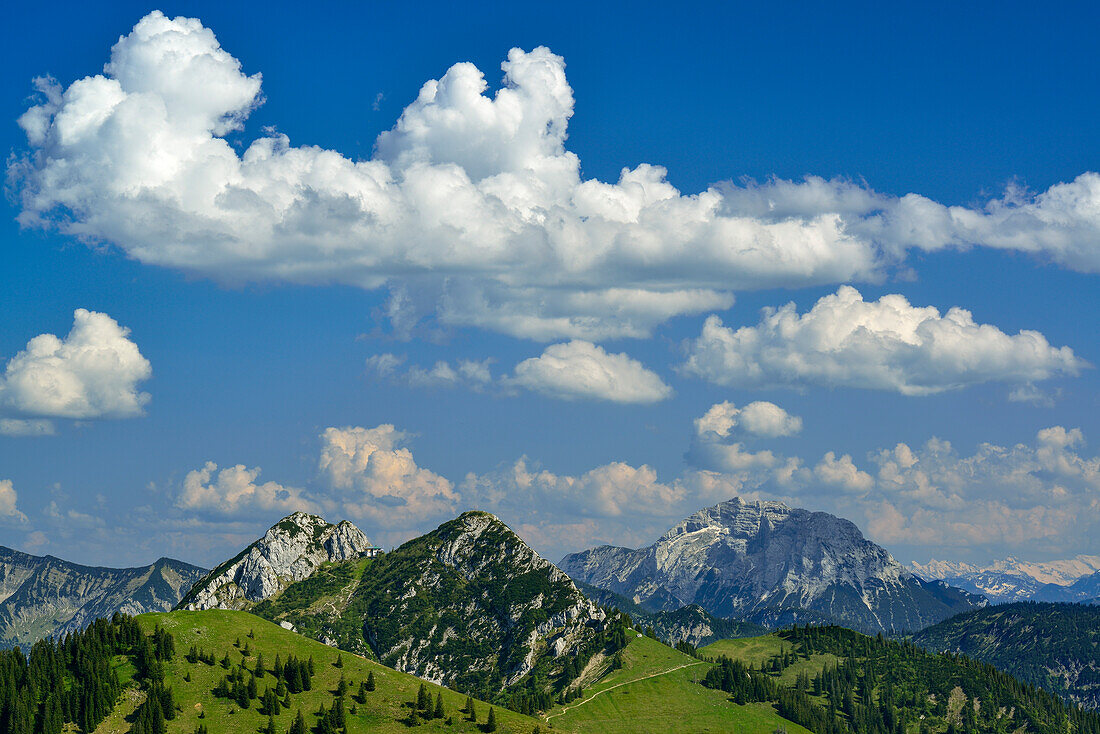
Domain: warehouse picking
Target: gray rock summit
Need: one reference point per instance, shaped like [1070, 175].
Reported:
[43, 596]
[290, 551]
[749, 560]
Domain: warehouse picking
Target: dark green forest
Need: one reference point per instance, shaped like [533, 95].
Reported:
[72, 680]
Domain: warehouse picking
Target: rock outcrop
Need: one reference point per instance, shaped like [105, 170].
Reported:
[750, 560]
[48, 597]
[290, 551]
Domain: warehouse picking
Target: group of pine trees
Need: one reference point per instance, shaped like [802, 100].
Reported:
[241, 683]
[69, 680]
[155, 711]
[425, 708]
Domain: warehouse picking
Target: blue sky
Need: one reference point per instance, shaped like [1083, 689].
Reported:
[575, 417]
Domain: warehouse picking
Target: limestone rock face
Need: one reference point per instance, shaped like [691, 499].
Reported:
[290, 551]
[747, 560]
[46, 596]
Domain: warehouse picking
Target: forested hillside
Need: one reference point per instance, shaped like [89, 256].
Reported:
[1056, 646]
[76, 680]
[833, 680]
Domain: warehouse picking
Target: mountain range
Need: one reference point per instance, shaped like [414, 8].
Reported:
[472, 607]
[1011, 580]
[764, 561]
[43, 596]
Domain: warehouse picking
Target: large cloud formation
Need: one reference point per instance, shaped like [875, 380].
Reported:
[92, 373]
[471, 208]
[886, 344]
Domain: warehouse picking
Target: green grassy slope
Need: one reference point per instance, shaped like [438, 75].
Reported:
[758, 650]
[656, 691]
[217, 631]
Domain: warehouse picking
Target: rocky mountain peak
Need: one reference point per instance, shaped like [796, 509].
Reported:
[471, 602]
[738, 558]
[289, 551]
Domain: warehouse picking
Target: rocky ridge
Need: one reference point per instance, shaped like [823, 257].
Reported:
[43, 596]
[739, 560]
[290, 551]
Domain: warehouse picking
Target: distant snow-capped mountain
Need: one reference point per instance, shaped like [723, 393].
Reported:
[1010, 579]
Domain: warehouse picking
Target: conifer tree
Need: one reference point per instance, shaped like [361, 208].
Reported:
[438, 713]
[339, 714]
[299, 725]
[491, 722]
[370, 681]
[423, 700]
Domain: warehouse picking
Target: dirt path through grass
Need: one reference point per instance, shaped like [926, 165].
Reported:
[620, 685]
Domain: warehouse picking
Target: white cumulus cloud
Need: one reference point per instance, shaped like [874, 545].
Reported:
[760, 418]
[582, 370]
[9, 511]
[576, 370]
[234, 489]
[886, 345]
[374, 476]
[91, 373]
[472, 208]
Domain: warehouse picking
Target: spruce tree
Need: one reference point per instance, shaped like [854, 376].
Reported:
[438, 713]
[423, 700]
[370, 681]
[299, 725]
[491, 722]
